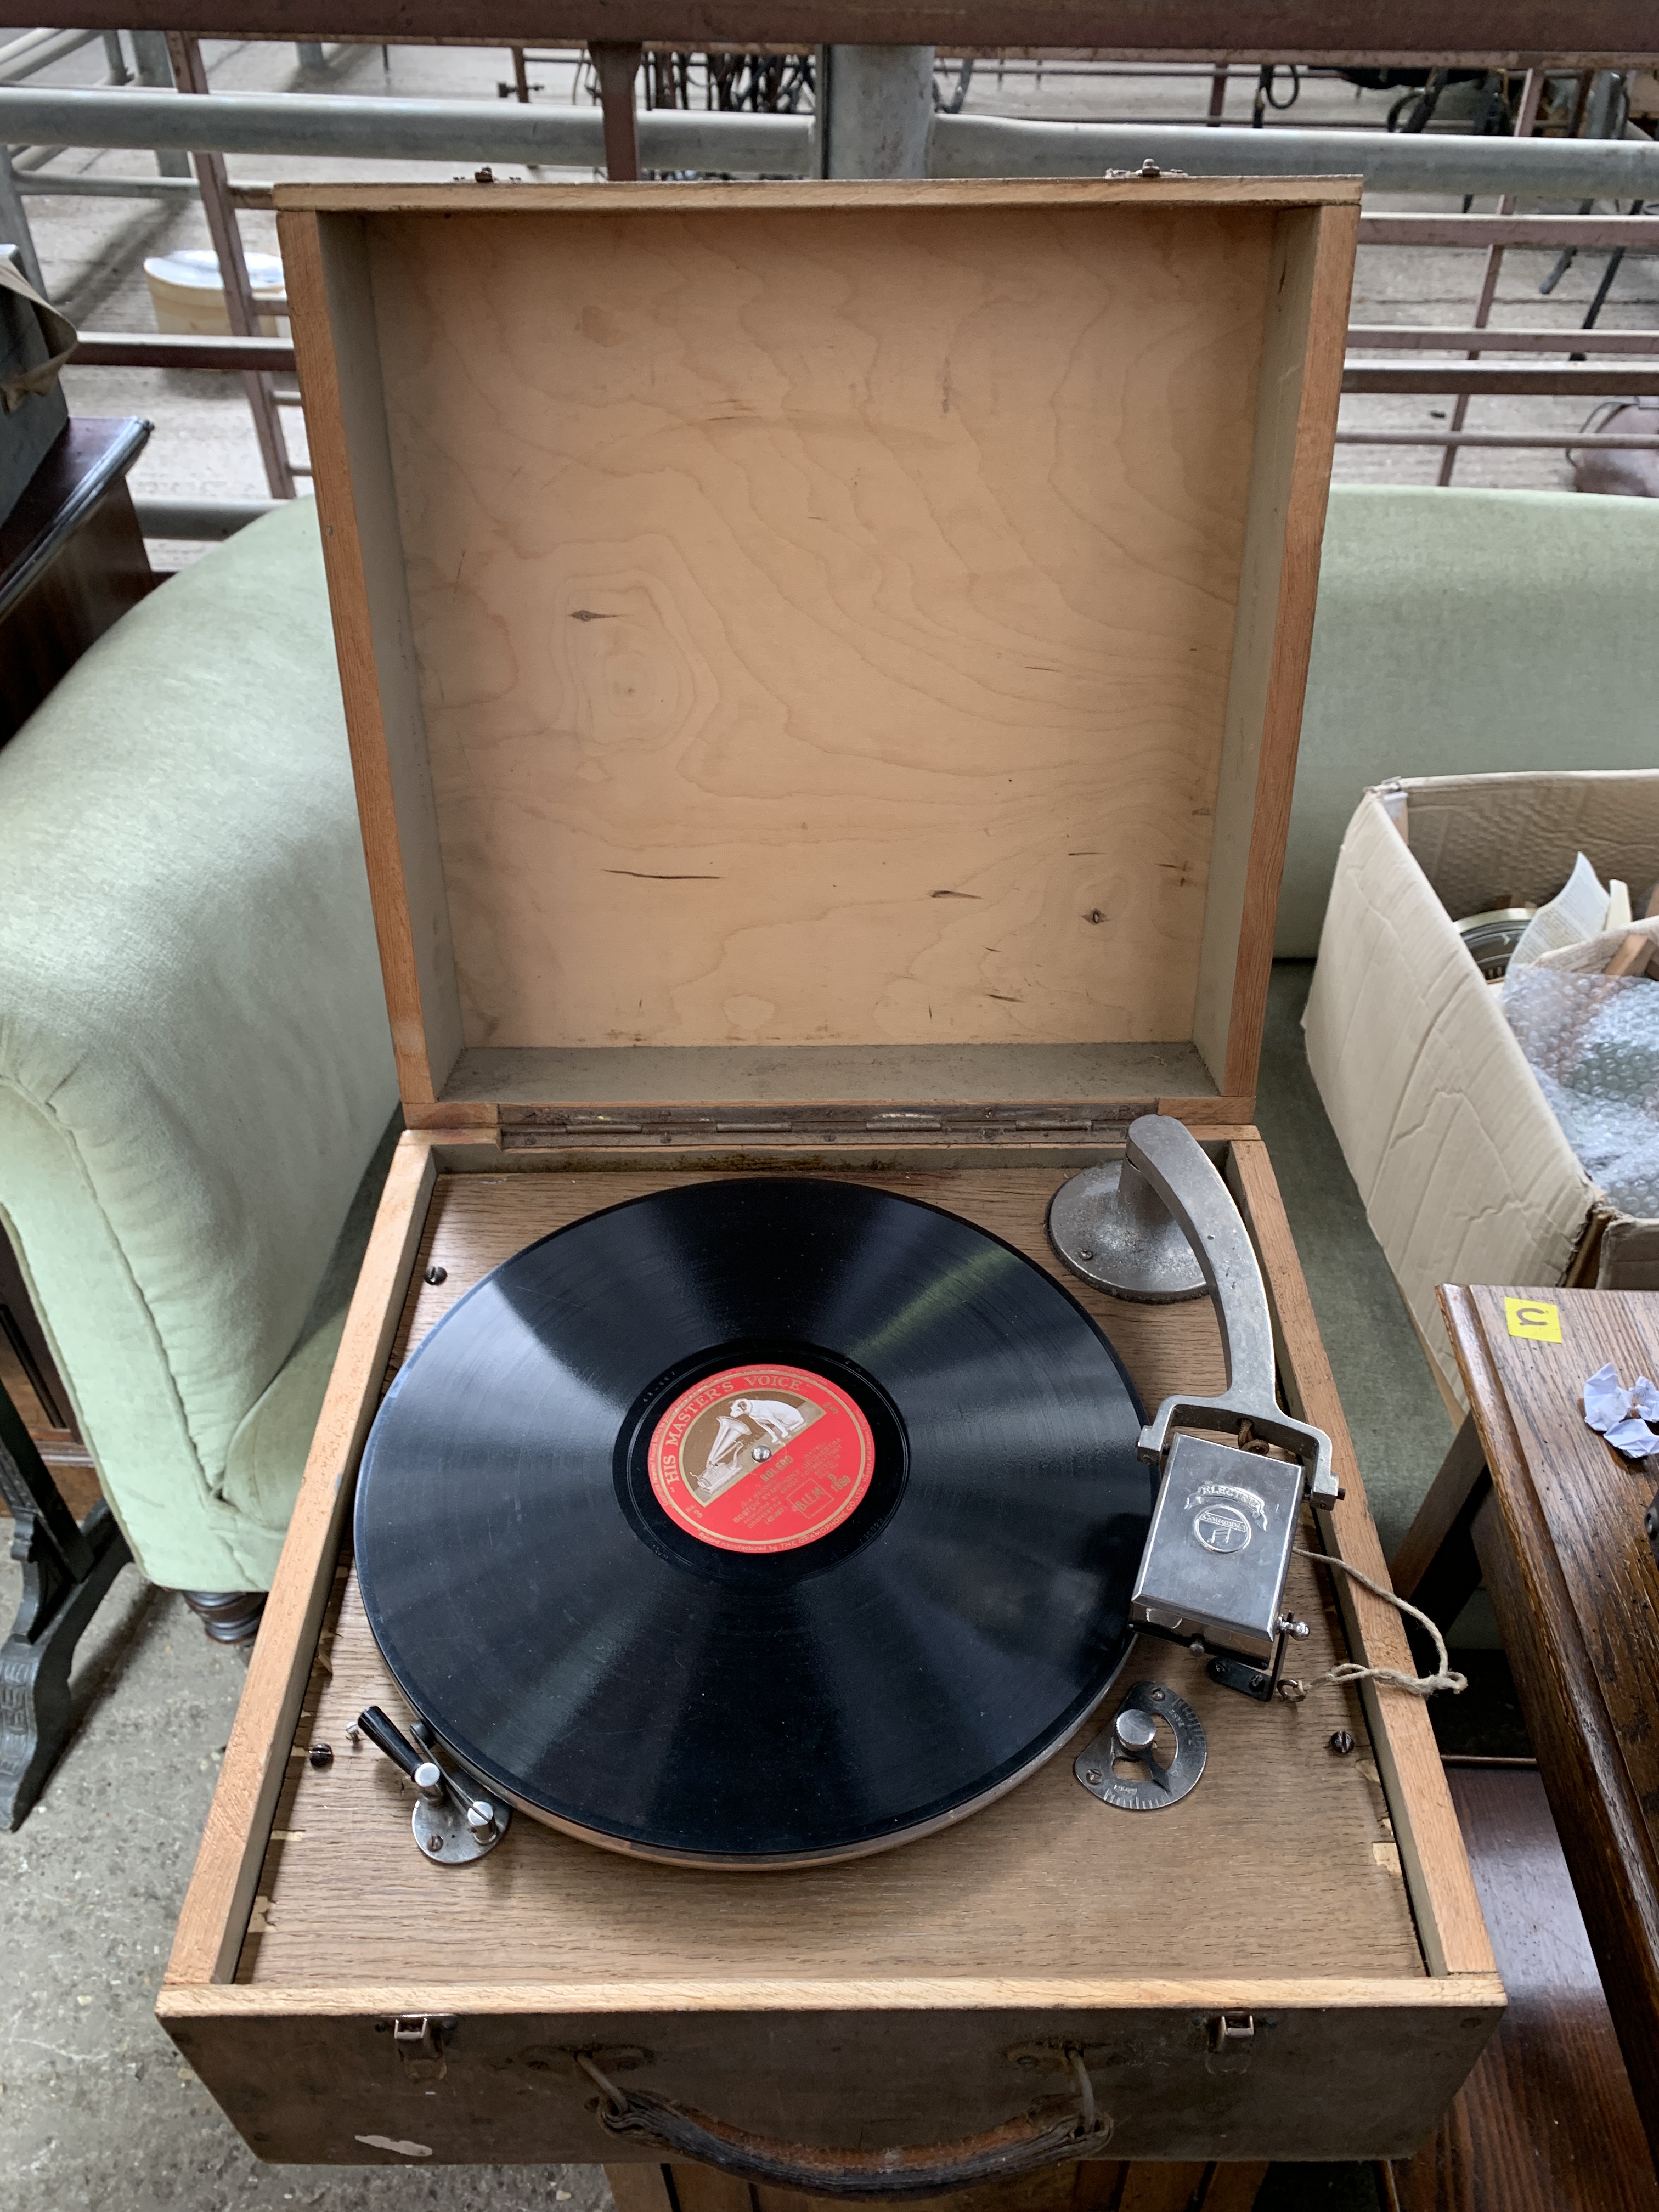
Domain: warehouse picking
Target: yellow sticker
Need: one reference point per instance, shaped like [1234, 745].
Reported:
[1532, 1317]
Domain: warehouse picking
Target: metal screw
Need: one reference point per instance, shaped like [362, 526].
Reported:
[437, 1274]
[434, 1845]
[1342, 1743]
[353, 1734]
[1150, 169]
[1095, 915]
[1158, 1695]
[1084, 1252]
[321, 1754]
[1091, 1774]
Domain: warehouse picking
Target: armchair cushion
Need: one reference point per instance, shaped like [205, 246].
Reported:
[195, 1068]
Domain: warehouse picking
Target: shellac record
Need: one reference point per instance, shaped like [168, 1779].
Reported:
[755, 1522]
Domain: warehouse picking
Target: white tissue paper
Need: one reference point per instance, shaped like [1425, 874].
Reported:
[1622, 1416]
[1578, 910]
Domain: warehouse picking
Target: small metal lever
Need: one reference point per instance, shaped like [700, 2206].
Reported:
[454, 1820]
[401, 1752]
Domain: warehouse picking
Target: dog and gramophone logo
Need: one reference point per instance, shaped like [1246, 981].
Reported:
[761, 1458]
[1223, 1513]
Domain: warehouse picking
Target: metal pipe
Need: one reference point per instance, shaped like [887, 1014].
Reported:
[38, 49]
[37, 187]
[402, 130]
[1547, 231]
[993, 146]
[962, 145]
[1573, 438]
[877, 108]
[149, 59]
[1426, 338]
[205, 520]
[15, 224]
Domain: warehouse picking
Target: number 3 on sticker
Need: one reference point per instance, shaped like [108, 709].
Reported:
[1532, 1317]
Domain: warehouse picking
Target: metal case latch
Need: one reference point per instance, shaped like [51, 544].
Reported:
[418, 2040]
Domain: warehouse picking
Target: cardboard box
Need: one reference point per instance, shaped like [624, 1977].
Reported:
[1464, 1171]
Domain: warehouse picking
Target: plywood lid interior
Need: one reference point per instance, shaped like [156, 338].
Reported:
[824, 615]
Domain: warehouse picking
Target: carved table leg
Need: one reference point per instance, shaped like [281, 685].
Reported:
[67, 1569]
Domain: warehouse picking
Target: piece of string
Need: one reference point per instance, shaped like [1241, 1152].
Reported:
[1419, 1686]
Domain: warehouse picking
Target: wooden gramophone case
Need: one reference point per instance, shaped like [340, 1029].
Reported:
[823, 667]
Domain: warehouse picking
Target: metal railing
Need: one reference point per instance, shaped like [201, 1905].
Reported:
[680, 141]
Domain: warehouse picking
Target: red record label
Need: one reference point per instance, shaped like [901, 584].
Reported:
[761, 1459]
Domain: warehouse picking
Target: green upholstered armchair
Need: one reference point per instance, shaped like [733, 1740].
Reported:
[195, 1077]
[1461, 633]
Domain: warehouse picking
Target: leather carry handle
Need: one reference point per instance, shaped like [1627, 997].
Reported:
[1032, 2139]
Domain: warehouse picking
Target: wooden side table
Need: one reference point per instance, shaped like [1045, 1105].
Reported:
[1537, 1505]
[72, 560]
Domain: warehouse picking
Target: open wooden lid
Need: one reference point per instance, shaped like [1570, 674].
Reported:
[831, 644]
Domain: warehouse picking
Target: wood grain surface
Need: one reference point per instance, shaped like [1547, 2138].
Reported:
[1295, 432]
[1028, 1886]
[1283, 1901]
[824, 615]
[1547, 2122]
[1436, 1869]
[1566, 1560]
[327, 278]
[256, 1758]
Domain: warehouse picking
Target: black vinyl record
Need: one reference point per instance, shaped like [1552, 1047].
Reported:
[755, 1522]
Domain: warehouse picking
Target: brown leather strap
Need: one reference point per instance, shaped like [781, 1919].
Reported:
[1039, 2137]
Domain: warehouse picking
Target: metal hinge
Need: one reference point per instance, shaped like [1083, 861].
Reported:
[418, 2038]
[541, 1128]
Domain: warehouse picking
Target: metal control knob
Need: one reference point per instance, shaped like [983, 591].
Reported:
[1132, 1738]
[1133, 1733]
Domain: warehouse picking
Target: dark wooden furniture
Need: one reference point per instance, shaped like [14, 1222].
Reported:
[1535, 1503]
[68, 1567]
[29, 1376]
[72, 561]
[1547, 2122]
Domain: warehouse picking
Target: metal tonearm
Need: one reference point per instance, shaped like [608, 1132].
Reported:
[1176, 1165]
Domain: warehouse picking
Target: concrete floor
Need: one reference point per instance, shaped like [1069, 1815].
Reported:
[96, 2109]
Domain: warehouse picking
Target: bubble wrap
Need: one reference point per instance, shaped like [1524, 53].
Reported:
[1593, 1043]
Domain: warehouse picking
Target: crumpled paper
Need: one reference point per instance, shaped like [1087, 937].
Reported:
[1623, 1416]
